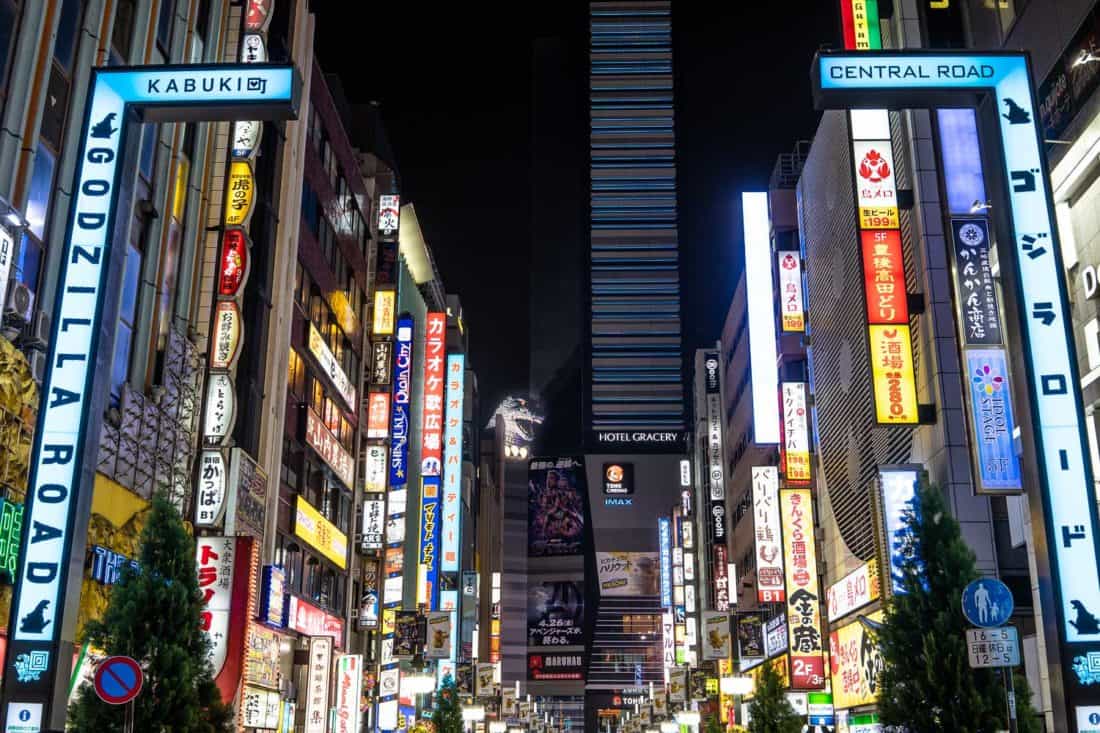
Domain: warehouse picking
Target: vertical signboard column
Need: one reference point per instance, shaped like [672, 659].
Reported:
[803, 592]
[431, 459]
[769, 550]
[716, 510]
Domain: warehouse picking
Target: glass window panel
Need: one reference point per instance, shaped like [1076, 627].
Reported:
[30, 262]
[38, 198]
[9, 15]
[65, 47]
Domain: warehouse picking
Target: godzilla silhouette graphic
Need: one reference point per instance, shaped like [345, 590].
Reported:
[103, 129]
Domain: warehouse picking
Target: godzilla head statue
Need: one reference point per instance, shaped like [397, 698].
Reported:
[519, 420]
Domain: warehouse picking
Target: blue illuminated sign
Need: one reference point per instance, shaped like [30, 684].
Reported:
[402, 392]
[991, 412]
[664, 528]
[899, 496]
[74, 389]
[907, 79]
[429, 541]
[452, 462]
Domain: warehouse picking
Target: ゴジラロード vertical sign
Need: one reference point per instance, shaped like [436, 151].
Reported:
[84, 319]
[1034, 267]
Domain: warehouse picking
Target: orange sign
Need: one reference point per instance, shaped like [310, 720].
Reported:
[378, 415]
[884, 276]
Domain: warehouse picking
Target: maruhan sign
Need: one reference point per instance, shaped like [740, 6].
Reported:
[74, 390]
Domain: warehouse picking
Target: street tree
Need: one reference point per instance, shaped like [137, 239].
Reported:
[448, 709]
[770, 711]
[153, 616]
[927, 685]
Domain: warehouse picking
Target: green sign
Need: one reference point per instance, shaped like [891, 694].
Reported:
[11, 527]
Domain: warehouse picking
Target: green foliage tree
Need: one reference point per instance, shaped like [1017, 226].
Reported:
[927, 685]
[713, 724]
[153, 616]
[770, 711]
[448, 709]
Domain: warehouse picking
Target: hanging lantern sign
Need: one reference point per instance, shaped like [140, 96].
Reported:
[239, 190]
[227, 335]
[221, 410]
[246, 138]
[234, 265]
[210, 502]
[258, 15]
[253, 50]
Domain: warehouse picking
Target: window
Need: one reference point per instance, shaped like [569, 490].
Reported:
[123, 32]
[295, 378]
[41, 188]
[9, 21]
[148, 152]
[120, 366]
[68, 29]
[169, 261]
[165, 20]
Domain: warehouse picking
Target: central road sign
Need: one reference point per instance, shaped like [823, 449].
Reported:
[118, 680]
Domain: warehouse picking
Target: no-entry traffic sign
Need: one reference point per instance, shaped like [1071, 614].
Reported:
[118, 680]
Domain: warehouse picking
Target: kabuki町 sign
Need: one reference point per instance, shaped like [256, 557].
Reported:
[87, 297]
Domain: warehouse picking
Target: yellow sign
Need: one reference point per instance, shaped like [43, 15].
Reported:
[854, 663]
[240, 188]
[320, 533]
[385, 305]
[779, 664]
[892, 373]
[878, 217]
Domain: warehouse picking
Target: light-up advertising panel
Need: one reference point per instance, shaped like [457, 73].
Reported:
[792, 311]
[87, 297]
[796, 433]
[895, 387]
[859, 20]
[385, 306]
[402, 393]
[428, 573]
[990, 400]
[803, 593]
[899, 495]
[769, 551]
[320, 533]
[452, 462]
[876, 191]
[1057, 415]
[760, 292]
[378, 415]
[664, 540]
[884, 276]
[331, 367]
[431, 426]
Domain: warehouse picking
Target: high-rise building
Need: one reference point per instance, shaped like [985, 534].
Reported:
[635, 369]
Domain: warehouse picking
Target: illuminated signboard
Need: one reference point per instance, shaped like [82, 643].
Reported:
[712, 383]
[375, 478]
[435, 378]
[722, 580]
[792, 311]
[760, 297]
[859, 19]
[899, 495]
[331, 367]
[240, 189]
[402, 392]
[884, 278]
[796, 433]
[389, 214]
[895, 387]
[854, 591]
[234, 264]
[227, 335]
[803, 593]
[348, 689]
[769, 551]
[246, 138]
[385, 305]
[320, 533]
[213, 482]
[317, 684]
[374, 512]
[855, 662]
[452, 462]
[321, 439]
[214, 560]
[428, 572]
[221, 410]
[664, 535]
[378, 415]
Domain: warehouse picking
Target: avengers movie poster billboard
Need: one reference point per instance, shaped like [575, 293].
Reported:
[555, 613]
[555, 507]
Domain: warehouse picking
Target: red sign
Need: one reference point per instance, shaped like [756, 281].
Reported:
[378, 415]
[884, 276]
[305, 618]
[321, 439]
[234, 265]
[118, 680]
[435, 367]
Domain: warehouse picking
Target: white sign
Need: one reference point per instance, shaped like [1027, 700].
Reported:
[387, 715]
[392, 590]
[792, 313]
[668, 636]
[374, 522]
[389, 682]
[796, 434]
[317, 677]
[999, 647]
[395, 529]
[1088, 718]
[375, 479]
[389, 214]
[214, 560]
[24, 717]
[759, 292]
[800, 702]
[874, 167]
[685, 472]
[330, 366]
[769, 551]
[854, 591]
[221, 409]
[213, 481]
[716, 635]
[714, 447]
[349, 688]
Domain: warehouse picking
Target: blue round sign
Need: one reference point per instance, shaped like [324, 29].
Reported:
[987, 602]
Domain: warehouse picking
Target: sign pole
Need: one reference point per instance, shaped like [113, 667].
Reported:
[1010, 699]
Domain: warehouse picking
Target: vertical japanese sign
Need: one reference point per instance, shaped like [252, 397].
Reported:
[317, 684]
[891, 349]
[792, 311]
[859, 20]
[723, 591]
[664, 540]
[431, 458]
[452, 462]
[349, 688]
[899, 496]
[803, 593]
[769, 551]
[989, 388]
[796, 434]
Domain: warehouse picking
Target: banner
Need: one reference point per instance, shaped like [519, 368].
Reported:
[678, 685]
[486, 673]
[555, 508]
[716, 635]
[803, 595]
[406, 638]
[769, 553]
[854, 591]
[791, 311]
[796, 434]
[452, 463]
[555, 612]
[348, 688]
[563, 666]
[317, 684]
[439, 635]
[855, 662]
[628, 573]
[750, 638]
[402, 393]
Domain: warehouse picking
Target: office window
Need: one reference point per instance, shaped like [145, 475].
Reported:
[9, 21]
[122, 34]
[68, 29]
[165, 20]
[120, 367]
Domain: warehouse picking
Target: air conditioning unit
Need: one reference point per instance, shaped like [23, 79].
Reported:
[20, 302]
[39, 332]
[37, 360]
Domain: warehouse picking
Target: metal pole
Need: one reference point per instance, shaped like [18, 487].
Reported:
[1010, 698]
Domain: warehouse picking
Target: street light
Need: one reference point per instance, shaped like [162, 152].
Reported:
[736, 685]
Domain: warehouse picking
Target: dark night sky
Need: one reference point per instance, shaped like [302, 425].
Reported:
[453, 81]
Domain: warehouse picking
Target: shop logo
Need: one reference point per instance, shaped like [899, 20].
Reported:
[615, 473]
[971, 235]
[874, 167]
[988, 381]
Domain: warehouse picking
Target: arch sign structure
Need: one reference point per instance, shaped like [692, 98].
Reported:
[1000, 84]
[74, 391]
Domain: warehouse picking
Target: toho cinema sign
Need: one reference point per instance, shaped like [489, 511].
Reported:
[1000, 86]
[74, 390]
